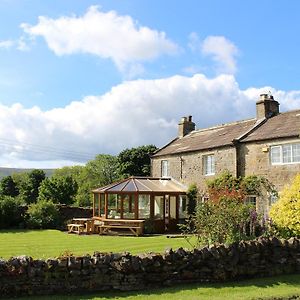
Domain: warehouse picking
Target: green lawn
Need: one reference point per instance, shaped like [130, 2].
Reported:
[52, 243]
[264, 288]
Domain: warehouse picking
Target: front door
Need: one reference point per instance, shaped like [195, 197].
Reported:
[170, 213]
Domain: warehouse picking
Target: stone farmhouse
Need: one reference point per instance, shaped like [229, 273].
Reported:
[267, 145]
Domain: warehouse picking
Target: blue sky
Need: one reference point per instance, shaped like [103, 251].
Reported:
[79, 78]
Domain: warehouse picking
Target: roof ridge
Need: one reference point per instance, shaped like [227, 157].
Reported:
[220, 126]
[289, 111]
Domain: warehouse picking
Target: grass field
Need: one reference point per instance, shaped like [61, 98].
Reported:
[52, 243]
[263, 288]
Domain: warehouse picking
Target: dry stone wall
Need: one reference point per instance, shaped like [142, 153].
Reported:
[101, 272]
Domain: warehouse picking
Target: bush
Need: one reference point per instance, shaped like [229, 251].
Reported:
[10, 212]
[192, 195]
[226, 221]
[285, 213]
[42, 214]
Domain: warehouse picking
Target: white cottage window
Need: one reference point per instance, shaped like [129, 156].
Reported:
[285, 154]
[164, 168]
[209, 165]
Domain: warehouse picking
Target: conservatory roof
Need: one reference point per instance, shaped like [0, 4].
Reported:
[144, 185]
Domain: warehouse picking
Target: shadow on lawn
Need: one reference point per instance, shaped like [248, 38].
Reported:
[16, 230]
[291, 280]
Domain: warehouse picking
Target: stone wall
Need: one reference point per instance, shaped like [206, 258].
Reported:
[105, 272]
[188, 168]
[69, 212]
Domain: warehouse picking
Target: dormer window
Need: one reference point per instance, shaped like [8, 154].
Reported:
[164, 168]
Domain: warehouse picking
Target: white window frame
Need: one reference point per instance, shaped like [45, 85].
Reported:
[291, 150]
[209, 165]
[165, 168]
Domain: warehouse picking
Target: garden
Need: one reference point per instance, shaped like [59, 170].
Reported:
[220, 224]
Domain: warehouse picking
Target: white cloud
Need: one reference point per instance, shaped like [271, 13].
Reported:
[105, 34]
[6, 44]
[20, 44]
[223, 52]
[131, 114]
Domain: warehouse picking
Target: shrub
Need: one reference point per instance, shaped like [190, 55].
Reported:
[226, 221]
[42, 214]
[192, 195]
[10, 213]
[285, 213]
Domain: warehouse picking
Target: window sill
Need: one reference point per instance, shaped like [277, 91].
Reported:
[211, 174]
[283, 164]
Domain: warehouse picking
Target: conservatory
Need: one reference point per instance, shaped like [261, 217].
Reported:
[159, 203]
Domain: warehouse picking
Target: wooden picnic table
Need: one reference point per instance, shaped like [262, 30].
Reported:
[81, 225]
[135, 226]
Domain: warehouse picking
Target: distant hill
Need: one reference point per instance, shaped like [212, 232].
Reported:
[8, 171]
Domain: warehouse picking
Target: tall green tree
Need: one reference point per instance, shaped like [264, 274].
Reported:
[58, 190]
[29, 185]
[74, 171]
[8, 187]
[98, 172]
[136, 161]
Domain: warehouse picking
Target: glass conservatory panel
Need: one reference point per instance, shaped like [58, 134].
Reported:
[144, 206]
[96, 205]
[172, 207]
[128, 206]
[113, 206]
[102, 205]
[183, 206]
[158, 207]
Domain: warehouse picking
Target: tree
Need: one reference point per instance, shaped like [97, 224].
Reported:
[58, 189]
[192, 195]
[10, 214]
[8, 187]
[285, 213]
[29, 185]
[101, 171]
[73, 171]
[136, 161]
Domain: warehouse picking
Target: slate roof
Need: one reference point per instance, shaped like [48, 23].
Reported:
[144, 185]
[282, 125]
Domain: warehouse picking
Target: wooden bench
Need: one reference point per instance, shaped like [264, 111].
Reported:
[76, 228]
[136, 230]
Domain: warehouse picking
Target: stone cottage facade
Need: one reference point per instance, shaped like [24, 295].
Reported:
[267, 145]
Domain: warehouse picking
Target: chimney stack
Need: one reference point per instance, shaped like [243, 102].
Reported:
[266, 107]
[185, 126]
